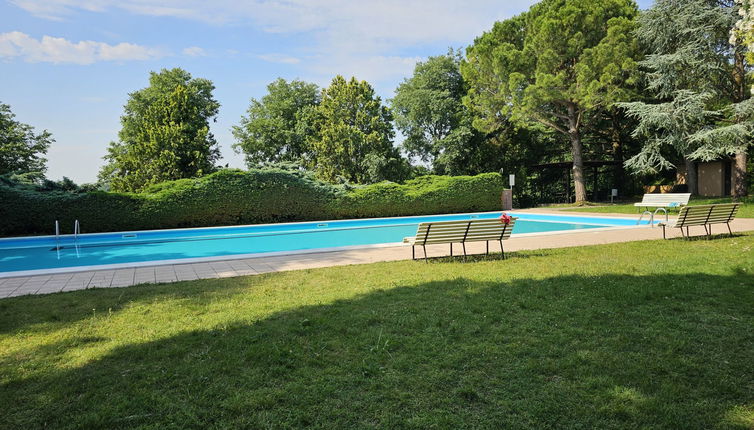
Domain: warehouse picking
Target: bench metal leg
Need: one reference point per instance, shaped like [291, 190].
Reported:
[463, 244]
[451, 249]
[488, 247]
[729, 230]
[663, 232]
[502, 250]
[413, 252]
[425, 254]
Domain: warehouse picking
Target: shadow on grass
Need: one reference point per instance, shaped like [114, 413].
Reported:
[702, 236]
[590, 352]
[48, 311]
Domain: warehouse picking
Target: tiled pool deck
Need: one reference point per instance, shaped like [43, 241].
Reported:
[42, 284]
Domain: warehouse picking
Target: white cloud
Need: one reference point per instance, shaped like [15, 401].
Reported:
[365, 38]
[194, 51]
[279, 58]
[59, 50]
[409, 20]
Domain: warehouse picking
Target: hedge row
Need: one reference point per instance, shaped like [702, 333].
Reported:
[231, 197]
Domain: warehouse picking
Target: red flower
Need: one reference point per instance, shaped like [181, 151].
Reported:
[505, 218]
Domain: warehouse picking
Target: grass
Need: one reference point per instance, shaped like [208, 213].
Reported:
[745, 211]
[636, 335]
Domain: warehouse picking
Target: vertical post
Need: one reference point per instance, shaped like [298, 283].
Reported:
[507, 200]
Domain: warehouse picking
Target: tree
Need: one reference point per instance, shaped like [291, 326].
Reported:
[692, 70]
[735, 134]
[553, 65]
[21, 149]
[667, 126]
[165, 133]
[354, 132]
[429, 111]
[270, 132]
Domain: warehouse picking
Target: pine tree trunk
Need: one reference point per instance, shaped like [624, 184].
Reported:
[692, 178]
[576, 150]
[739, 176]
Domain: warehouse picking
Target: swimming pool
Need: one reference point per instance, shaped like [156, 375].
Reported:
[123, 249]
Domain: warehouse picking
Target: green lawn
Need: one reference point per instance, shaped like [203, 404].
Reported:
[638, 335]
[746, 210]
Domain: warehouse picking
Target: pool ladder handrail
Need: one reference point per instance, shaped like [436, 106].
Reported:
[57, 235]
[652, 216]
[76, 233]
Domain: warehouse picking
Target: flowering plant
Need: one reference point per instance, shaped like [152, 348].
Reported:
[505, 218]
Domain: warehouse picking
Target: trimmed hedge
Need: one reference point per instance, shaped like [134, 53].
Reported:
[230, 197]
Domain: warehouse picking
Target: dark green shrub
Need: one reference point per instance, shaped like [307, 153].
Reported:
[230, 197]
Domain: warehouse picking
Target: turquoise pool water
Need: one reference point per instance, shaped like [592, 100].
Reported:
[101, 249]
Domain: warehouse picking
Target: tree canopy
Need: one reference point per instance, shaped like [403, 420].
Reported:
[353, 135]
[21, 149]
[430, 113]
[551, 66]
[271, 131]
[165, 133]
[693, 76]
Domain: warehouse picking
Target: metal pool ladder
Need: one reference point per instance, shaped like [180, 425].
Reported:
[652, 216]
[76, 233]
[57, 235]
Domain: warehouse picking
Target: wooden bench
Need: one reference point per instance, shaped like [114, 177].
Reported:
[450, 232]
[703, 215]
[661, 202]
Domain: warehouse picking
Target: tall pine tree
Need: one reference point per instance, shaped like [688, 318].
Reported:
[695, 73]
[552, 66]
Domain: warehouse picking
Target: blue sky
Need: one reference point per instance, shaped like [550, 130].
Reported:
[68, 65]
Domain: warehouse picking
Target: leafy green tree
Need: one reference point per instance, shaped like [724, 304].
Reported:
[270, 132]
[354, 132]
[21, 149]
[735, 134]
[693, 71]
[165, 133]
[553, 65]
[667, 126]
[429, 111]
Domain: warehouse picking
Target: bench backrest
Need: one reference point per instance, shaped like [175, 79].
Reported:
[707, 214]
[667, 198]
[463, 231]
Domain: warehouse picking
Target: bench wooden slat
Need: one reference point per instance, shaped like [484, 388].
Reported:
[664, 200]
